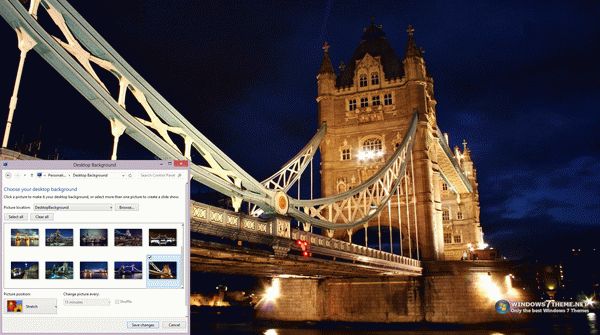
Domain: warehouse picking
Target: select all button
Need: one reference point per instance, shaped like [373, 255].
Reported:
[142, 324]
[15, 217]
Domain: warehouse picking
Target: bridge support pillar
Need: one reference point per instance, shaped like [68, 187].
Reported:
[449, 292]
[428, 209]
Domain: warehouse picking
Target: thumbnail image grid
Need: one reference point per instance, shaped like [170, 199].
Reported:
[59, 270]
[93, 237]
[24, 237]
[128, 237]
[24, 270]
[59, 237]
[93, 270]
[162, 237]
[162, 270]
[128, 270]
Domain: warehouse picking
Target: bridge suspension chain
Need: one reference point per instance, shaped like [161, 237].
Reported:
[83, 47]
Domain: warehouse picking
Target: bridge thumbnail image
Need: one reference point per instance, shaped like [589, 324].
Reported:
[59, 237]
[93, 237]
[128, 237]
[93, 270]
[162, 270]
[24, 270]
[59, 270]
[163, 237]
[128, 270]
[24, 237]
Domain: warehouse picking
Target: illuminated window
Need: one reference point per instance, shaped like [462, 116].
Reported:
[447, 237]
[444, 186]
[372, 144]
[375, 100]
[351, 104]
[457, 239]
[363, 80]
[387, 99]
[374, 78]
[445, 215]
[371, 148]
[345, 154]
[364, 102]
[459, 215]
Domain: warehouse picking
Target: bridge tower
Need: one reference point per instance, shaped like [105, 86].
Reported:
[368, 105]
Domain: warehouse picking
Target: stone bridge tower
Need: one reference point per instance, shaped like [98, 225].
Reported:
[368, 105]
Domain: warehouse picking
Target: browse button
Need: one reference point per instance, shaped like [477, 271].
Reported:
[127, 207]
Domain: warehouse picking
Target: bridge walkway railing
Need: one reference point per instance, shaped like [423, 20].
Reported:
[280, 227]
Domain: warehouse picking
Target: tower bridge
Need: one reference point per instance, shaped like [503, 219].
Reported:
[386, 170]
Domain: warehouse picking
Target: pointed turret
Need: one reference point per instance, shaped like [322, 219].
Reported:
[466, 151]
[467, 164]
[411, 46]
[326, 66]
[326, 77]
[414, 64]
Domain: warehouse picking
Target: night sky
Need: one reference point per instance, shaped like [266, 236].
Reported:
[519, 80]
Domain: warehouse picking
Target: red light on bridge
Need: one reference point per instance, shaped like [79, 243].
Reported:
[305, 248]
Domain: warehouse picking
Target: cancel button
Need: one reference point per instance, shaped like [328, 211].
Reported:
[173, 324]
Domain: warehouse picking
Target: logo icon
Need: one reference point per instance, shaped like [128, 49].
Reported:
[502, 306]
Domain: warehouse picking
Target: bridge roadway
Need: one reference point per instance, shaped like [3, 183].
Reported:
[224, 241]
[228, 242]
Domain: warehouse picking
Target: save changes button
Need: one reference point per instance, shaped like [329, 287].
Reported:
[142, 324]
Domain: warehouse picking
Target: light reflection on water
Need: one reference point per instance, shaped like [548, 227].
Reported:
[549, 330]
[581, 325]
[592, 323]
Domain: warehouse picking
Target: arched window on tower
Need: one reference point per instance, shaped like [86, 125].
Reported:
[371, 148]
[374, 78]
[372, 144]
[362, 81]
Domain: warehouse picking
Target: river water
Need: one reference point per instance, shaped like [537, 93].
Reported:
[577, 325]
